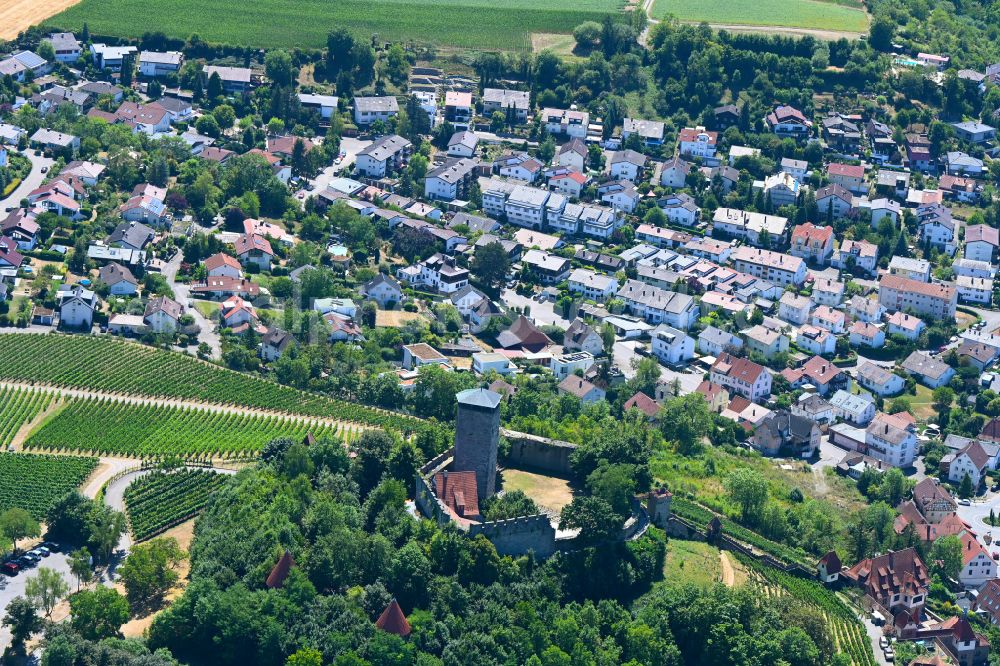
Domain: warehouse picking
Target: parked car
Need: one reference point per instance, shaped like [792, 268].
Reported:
[53, 547]
[43, 551]
[883, 642]
[890, 656]
[965, 502]
[9, 568]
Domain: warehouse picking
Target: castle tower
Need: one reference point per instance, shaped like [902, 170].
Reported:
[477, 434]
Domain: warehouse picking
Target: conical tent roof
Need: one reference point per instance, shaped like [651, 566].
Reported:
[280, 571]
[393, 621]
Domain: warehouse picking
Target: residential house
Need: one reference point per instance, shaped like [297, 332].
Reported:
[324, 105]
[928, 370]
[865, 334]
[958, 163]
[794, 308]
[856, 253]
[812, 243]
[565, 122]
[855, 408]
[741, 376]
[765, 341]
[849, 176]
[421, 354]
[680, 209]
[697, 142]
[514, 104]
[463, 144]
[163, 315]
[119, 280]
[156, 63]
[458, 108]
[111, 57]
[674, 173]
[21, 227]
[714, 342]
[813, 407]
[973, 268]
[650, 131]
[841, 134]
[868, 310]
[775, 267]
[978, 354]
[582, 389]
[912, 269]
[523, 335]
[937, 228]
[824, 376]
[936, 300]
[815, 340]
[834, 201]
[974, 131]
[670, 345]
[797, 169]
[906, 325]
[784, 433]
[369, 110]
[972, 461]
[620, 195]
[50, 140]
[892, 439]
[131, 236]
[519, 166]
[66, 47]
[568, 181]
[781, 188]
[573, 154]
[592, 285]
[897, 580]
[548, 268]
[827, 291]
[981, 242]
[274, 343]
[789, 121]
[644, 404]
[581, 336]
[222, 264]
[387, 155]
[572, 363]
[76, 307]
[974, 290]
[749, 226]
[627, 165]
[451, 180]
[657, 305]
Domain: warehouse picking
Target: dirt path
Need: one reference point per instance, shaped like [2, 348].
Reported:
[21, 435]
[19, 15]
[826, 35]
[186, 404]
[728, 574]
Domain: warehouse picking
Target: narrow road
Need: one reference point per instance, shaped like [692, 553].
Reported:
[728, 574]
[31, 181]
[182, 294]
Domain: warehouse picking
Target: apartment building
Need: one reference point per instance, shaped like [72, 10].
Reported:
[742, 376]
[775, 267]
[897, 293]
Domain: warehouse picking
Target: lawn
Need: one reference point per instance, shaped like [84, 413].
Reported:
[922, 403]
[781, 13]
[693, 562]
[479, 24]
[549, 492]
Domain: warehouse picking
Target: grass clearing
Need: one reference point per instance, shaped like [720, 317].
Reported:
[922, 403]
[692, 562]
[479, 24]
[810, 14]
[549, 492]
[395, 318]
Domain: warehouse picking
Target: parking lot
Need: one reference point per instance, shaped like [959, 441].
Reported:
[13, 587]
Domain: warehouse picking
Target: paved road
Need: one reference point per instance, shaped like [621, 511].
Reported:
[349, 145]
[976, 514]
[31, 182]
[182, 295]
[624, 353]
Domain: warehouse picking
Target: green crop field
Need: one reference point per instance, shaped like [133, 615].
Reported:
[18, 407]
[104, 364]
[160, 500]
[33, 482]
[812, 14]
[479, 24]
[109, 427]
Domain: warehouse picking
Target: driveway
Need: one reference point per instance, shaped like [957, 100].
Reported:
[31, 182]
[976, 514]
[352, 147]
[182, 294]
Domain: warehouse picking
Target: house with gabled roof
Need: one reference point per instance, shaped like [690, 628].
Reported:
[255, 250]
[972, 461]
[741, 376]
[582, 389]
[119, 279]
[163, 314]
[928, 370]
[897, 580]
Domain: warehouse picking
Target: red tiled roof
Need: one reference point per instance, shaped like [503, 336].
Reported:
[848, 170]
[280, 571]
[809, 232]
[393, 621]
[219, 260]
[643, 403]
[738, 368]
[459, 491]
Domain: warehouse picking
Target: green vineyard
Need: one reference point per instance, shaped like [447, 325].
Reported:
[846, 631]
[18, 407]
[107, 427]
[116, 366]
[34, 482]
[161, 500]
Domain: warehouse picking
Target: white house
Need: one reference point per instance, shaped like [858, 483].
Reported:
[156, 63]
[368, 110]
[163, 315]
[880, 381]
[76, 307]
[627, 165]
[592, 285]
[794, 308]
[858, 409]
[671, 345]
[713, 341]
[568, 364]
[977, 565]
[697, 142]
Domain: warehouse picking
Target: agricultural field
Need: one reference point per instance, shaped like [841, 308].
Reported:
[160, 500]
[844, 16]
[478, 24]
[34, 482]
[848, 635]
[110, 427]
[17, 407]
[115, 366]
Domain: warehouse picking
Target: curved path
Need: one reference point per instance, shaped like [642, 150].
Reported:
[30, 182]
